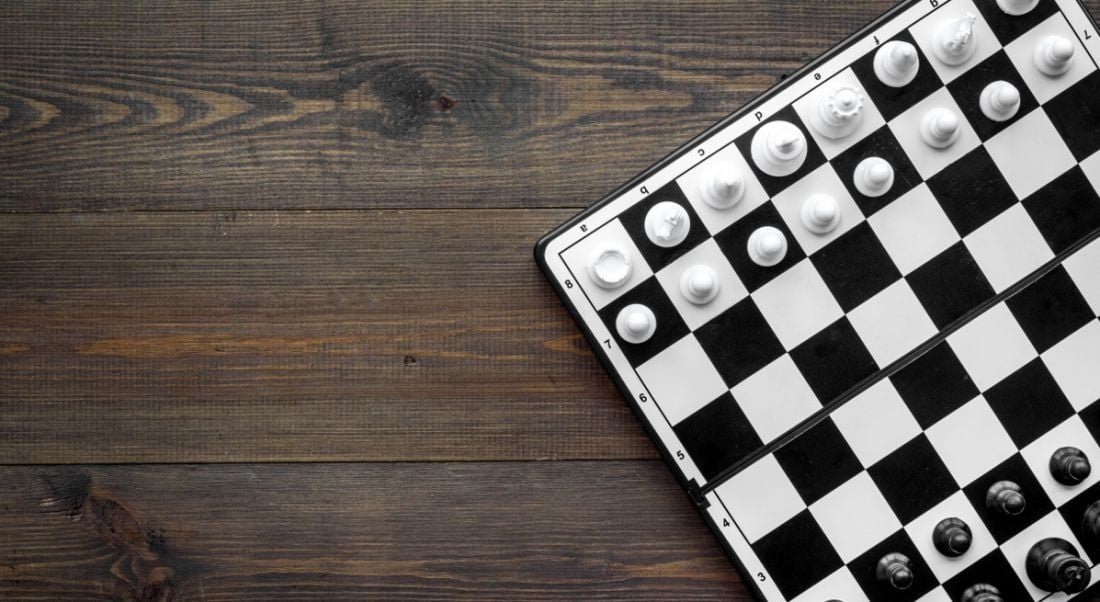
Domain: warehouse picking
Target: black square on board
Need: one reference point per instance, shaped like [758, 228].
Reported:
[950, 285]
[1009, 27]
[1075, 113]
[734, 242]
[967, 90]
[717, 436]
[1091, 417]
[800, 538]
[1065, 210]
[855, 267]
[972, 191]
[1001, 526]
[1050, 309]
[633, 221]
[814, 157]
[934, 385]
[1029, 403]
[864, 570]
[913, 479]
[818, 461]
[993, 569]
[885, 145]
[1073, 512]
[739, 342]
[892, 102]
[670, 327]
[833, 360]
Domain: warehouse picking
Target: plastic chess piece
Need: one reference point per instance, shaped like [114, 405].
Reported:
[952, 537]
[1090, 527]
[779, 148]
[940, 128]
[1054, 55]
[636, 324]
[1000, 101]
[1005, 498]
[1069, 466]
[820, 214]
[839, 112]
[896, 64]
[610, 267]
[667, 224]
[1017, 7]
[699, 284]
[895, 571]
[953, 41]
[767, 246]
[982, 592]
[874, 177]
[1054, 565]
[723, 188]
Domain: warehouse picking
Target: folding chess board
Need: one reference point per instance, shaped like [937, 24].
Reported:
[859, 316]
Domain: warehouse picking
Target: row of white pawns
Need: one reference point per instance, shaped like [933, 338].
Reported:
[779, 149]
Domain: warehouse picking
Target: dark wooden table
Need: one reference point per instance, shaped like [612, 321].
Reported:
[270, 324]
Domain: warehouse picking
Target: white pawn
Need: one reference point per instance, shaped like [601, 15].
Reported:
[874, 177]
[779, 148]
[1054, 55]
[940, 128]
[896, 64]
[767, 246]
[820, 214]
[839, 112]
[1017, 7]
[667, 224]
[699, 284]
[723, 188]
[953, 42]
[1000, 101]
[636, 324]
[610, 267]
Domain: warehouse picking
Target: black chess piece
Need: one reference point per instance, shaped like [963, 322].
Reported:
[1070, 466]
[1005, 497]
[952, 537]
[1054, 565]
[982, 592]
[894, 570]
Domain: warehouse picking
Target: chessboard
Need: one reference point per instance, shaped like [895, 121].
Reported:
[868, 302]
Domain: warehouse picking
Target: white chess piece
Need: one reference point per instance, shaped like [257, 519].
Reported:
[767, 246]
[839, 111]
[723, 187]
[699, 284]
[874, 177]
[820, 214]
[953, 42]
[636, 324]
[1054, 55]
[1000, 101]
[667, 224]
[610, 267]
[896, 64]
[1017, 7]
[779, 148]
[940, 128]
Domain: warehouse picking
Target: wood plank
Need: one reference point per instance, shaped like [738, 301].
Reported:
[375, 335]
[310, 104]
[499, 531]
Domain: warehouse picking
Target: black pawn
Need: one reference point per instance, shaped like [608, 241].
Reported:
[1005, 497]
[982, 592]
[1070, 466]
[893, 570]
[952, 537]
[1054, 565]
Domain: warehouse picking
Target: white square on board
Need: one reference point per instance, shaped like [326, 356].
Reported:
[1091, 167]
[1075, 362]
[823, 180]
[855, 517]
[730, 288]
[958, 506]
[1008, 248]
[876, 422]
[1016, 549]
[1037, 454]
[576, 259]
[992, 346]
[809, 105]
[760, 498]
[797, 304]
[841, 585]
[682, 379]
[928, 160]
[914, 229]
[966, 456]
[776, 398]
[1022, 53]
[1030, 153]
[985, 41]
[1082, 268]
[692, 183]
[892, 323]
[937, 595]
